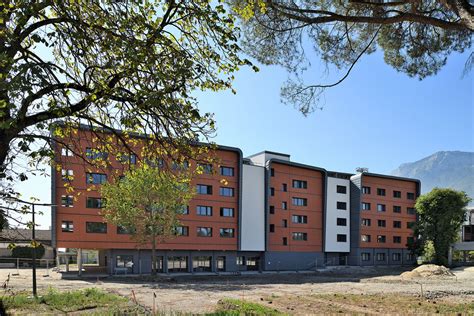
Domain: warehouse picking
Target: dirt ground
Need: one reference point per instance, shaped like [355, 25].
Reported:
[287, 292]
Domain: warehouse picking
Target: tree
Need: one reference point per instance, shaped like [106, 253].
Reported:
[131, 65]
[147, 203]
[416, 37]
[441, 214]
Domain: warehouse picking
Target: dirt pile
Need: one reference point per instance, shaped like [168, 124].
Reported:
[427, 271]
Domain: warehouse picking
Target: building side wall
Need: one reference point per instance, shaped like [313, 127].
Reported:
[253, 208]
[285, 174]
[333, 213]
[79, 214]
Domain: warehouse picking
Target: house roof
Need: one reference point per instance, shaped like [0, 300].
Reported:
[20, 234]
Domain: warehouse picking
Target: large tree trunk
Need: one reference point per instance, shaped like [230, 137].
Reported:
[153, 256]
[4, 146]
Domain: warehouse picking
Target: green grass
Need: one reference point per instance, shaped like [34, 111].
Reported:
[67, 301]
[230, 306]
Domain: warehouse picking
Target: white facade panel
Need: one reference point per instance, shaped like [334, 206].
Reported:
[332, 214]
[253, 208]
[261, 159]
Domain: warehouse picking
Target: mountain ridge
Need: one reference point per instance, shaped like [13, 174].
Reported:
[452, 169]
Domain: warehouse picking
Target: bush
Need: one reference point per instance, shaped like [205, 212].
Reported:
[27, 252]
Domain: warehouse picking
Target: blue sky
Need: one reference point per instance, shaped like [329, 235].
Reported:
[377, 118]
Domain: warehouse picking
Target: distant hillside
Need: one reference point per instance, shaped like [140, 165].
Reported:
[452, 169]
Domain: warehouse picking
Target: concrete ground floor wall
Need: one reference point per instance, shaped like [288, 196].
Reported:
[380, 257]
[119, 261]
[292, 261]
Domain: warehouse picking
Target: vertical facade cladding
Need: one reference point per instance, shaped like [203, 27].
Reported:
[275, 218]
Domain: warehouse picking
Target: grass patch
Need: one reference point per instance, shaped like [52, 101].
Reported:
[67, 301]
[229, 306]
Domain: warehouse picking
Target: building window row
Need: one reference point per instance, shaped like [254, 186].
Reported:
[365, 256]
[101, 228]
[205, 189]
[203, 210]
[382, 192]
[381, 239]
[382, 208]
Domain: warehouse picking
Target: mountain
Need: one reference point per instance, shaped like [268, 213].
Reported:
[452, 169]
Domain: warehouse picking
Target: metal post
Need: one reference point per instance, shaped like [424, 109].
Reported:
[34, 251]
[18, 266]
[47, 267]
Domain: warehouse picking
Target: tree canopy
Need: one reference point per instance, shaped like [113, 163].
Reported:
[147, 202]
[130, 65]
[441, 213]
[416, 37]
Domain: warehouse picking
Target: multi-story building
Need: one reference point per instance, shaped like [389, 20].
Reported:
[263, 212]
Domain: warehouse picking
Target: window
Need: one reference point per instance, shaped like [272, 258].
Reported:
[227, 171]
[366, 222]
[272, 209]
[299, 219]
[202, 210]
[410, 257]
[272, 172]
[300, 184]
[223, 191]
[397, 239]
[341, 189]
[397, 209]
[381, 223]
[300, 236]
[185, 210]
[365, 190]
[284, 187]
[182, 231]
[67, 200]
[127, 158]
[285, 241]
[410, 240]
[227, 212]
[96, 178]
[272, 228]
[178, 264]
[411, 225]
[365, 256]
[67, 175]
[380, 207]
[272, 191]
[299, 201]
[176, 165]
[411, 210]
[204, 232]
[341, 205]
[396, 256]
[366, 206]
[227, 232]
[121, 230]
[397, 224]
[96, 154]
[240, 261]
[284, 223]
[93, 202]
[284, 205]
[410, 195]
[96, 227]
[341, 238]
[205, 167]
[397, 194]
[204, 189]
[380, 192]
[202, 264]
[67, 226]
[66, 152]
[341, 222]
[380, 256]
[381, 238]
[155, 162]
[365, 238]
[124, 261]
